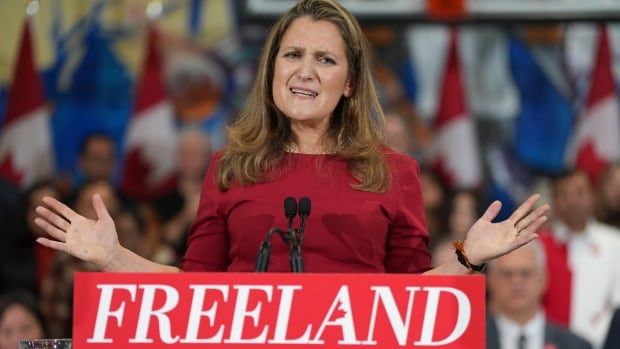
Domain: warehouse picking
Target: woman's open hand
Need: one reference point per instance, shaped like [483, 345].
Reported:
[94, 241]
[487, 240]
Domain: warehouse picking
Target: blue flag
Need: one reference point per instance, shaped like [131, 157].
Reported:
[545, 120]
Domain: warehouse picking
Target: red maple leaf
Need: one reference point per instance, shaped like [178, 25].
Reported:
[589, 161]
[136, 178]
[9, 172]
[135, 175]
[339, 313]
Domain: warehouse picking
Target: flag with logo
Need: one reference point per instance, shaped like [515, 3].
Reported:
[148, 169]
[25, 142]
[545, 119]
[596, 139]
[454, 153]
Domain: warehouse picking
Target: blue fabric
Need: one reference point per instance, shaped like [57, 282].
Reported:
[545, 120]
[97, 98]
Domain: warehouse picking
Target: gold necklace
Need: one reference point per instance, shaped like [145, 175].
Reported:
[289, 149]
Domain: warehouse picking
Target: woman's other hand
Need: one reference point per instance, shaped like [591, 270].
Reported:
[487, 240]
[94, 241]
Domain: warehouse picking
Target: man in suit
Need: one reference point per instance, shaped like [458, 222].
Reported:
[613, 335]
[516, 285]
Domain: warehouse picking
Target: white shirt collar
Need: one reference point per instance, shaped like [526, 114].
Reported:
[509, 331]
[564, 234]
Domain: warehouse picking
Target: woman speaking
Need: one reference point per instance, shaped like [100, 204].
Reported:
[311, 127]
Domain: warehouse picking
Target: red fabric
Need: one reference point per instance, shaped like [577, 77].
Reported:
[43, 257]
[150, 89]
[26, 91]
[135, 174]
[9, 171]
[590, 161]
[591, 156]
[347, 231]
[603, 84]
[138, 168]
[557, 298]
[452, 98]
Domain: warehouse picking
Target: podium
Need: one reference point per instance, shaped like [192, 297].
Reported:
[278, 310]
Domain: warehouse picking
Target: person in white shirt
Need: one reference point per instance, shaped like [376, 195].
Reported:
[583, 261]
[516, 283]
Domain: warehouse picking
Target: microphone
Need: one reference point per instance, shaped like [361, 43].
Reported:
[304, 212]
[297, 264]
[290, 207]
[290, 211]
[293, 237]
[264, 250]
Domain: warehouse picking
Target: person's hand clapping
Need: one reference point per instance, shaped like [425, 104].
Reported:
[487, 240]
[94, 241]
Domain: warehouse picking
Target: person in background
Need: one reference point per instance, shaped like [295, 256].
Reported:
[609, 191]
[516, 283]
[97, 158]
[613, 335]
[24, 264]
[461, 211]
[397, 133]
[9, 208]
[20, 318]
[583, 261]
[434, 196]
[177, 210]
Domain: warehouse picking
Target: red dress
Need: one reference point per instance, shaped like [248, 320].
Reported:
[348, 230]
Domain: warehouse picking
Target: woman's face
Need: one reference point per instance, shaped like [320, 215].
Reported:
[311, 72]
[18, 323]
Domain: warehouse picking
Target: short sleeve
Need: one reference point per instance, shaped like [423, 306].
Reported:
[407, 248]
[208, 241]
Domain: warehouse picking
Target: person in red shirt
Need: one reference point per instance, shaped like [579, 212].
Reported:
[581, 252]
[312, 127]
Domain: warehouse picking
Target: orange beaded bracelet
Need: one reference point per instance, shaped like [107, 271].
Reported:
[462, 257]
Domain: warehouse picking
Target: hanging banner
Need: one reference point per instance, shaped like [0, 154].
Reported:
[445, 8]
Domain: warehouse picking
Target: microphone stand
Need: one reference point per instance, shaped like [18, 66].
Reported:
[303, 209]
[264, 251]
[293, 237]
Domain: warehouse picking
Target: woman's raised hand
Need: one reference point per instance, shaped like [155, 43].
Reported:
[94, 241]
[487, 240]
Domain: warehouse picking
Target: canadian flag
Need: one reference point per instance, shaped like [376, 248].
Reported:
[25, 141]
[148, 169]
[596, 140]
[454, 153]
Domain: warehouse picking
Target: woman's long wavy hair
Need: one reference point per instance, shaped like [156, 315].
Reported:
[258, 138]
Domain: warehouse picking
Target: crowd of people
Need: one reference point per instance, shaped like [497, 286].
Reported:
[562, 289]
[527, 288]
[156, 230]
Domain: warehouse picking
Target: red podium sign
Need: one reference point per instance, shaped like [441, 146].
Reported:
[270, 310]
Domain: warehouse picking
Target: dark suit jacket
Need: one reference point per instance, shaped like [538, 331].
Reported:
[563, 338]
[613, 336]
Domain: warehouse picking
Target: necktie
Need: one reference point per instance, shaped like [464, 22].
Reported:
[521, 341]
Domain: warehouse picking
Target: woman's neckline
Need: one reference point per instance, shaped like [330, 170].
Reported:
[289, 149]
[307, 154]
